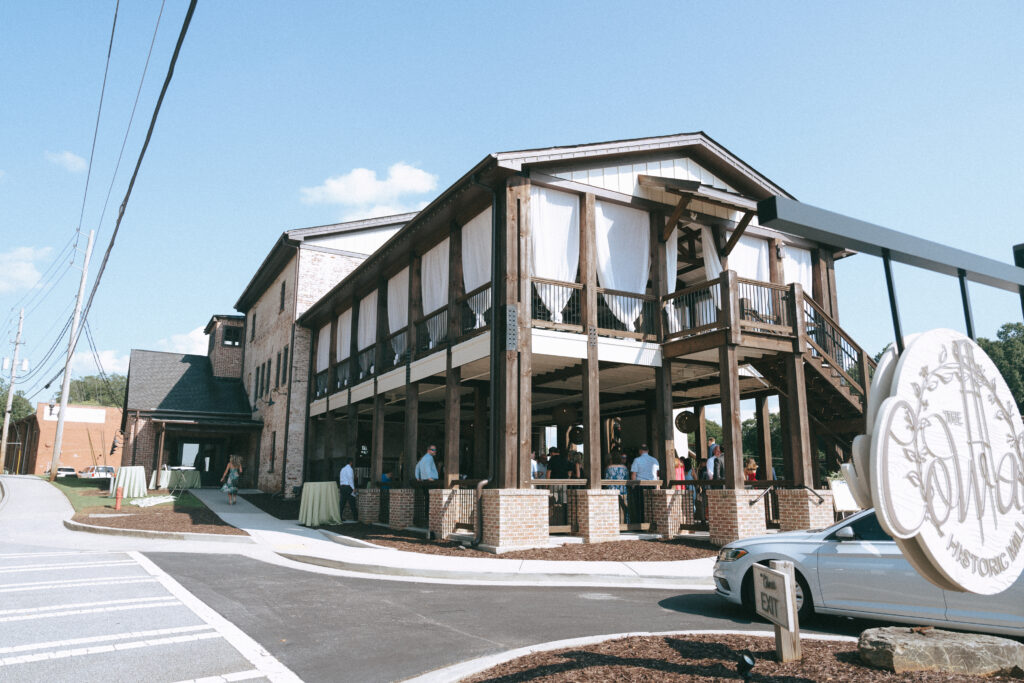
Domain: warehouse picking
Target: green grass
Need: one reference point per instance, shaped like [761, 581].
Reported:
[82, 493]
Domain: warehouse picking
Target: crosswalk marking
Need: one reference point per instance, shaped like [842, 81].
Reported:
[99, 639]
[101, 649]
[70, 565]
[77, 605]
[157, 602]
[76, 583]
[237, 676]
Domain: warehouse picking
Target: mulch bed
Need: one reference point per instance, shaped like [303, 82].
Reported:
[699, 658]
[612, 551]
[274, 506]
[193, 517]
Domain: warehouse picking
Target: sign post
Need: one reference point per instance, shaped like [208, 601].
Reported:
[775, 600]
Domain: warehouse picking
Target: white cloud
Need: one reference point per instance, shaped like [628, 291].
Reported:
[114, 362]
[194, 342]
[69, 161]
[18, 268]
[367, 195]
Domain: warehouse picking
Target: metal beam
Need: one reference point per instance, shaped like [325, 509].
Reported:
[826, 227]
[966, 300]
[894, 307]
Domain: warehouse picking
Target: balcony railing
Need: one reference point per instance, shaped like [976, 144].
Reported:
[624, 314]
[396, 349]
[432, 331]
[342, 374]
[764, 307]
[557, 304]
[828, 341]
[693, 310]
[476, 309]
[365, 362]
[320, 388]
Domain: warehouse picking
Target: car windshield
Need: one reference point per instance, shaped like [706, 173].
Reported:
[843, 522]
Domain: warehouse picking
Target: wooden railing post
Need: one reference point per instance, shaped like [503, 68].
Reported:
[730, 316]
[796, 314]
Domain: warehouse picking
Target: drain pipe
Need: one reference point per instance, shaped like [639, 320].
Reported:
[478, 536]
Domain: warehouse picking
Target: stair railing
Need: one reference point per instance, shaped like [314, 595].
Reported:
[829, 342]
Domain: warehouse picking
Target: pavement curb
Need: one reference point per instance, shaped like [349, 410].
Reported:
[457, 672]
[517, 578]
[162, 535]
[350, 542]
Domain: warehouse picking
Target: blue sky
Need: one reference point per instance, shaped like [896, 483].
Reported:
[904, 114]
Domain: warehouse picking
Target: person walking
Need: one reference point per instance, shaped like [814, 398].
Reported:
[716, 466]
[426, 470]
[644, 467]
[230, 478]
[617, 471]
[558, 464]
[347, 484]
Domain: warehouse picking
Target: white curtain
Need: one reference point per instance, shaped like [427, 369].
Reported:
[344, 335]
[323, 348]
[366, 332]
[712, 268]
[476, 262]
[623, 241]
[555, 233]
[398, 310]
[749, 258]
[434, 287]
[796, 267]
[672, 312]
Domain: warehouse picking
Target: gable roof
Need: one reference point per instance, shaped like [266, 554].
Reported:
[182, 383]
[289, 242]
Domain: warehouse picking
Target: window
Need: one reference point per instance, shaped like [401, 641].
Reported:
[266, 377]
[257, 386]
[252, 332]
[273, 450]
[284, 366]
[277, 372]
[232, 336]
[282, 296]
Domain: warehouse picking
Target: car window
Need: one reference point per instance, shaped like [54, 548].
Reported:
[867, 528]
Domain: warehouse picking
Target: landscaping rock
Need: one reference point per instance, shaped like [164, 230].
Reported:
[901, 649]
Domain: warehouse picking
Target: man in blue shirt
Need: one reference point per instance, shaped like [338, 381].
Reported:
[426, 470]
[347, 483]
[645, 466]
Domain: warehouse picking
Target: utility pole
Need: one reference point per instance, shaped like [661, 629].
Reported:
[65, 387]
[10, 391]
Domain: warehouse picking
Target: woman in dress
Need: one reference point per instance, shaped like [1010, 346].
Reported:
[680, 473]
[617, 471]
[230, 478]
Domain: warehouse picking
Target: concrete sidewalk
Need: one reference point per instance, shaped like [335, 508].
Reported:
[32, 514]
[301, 544]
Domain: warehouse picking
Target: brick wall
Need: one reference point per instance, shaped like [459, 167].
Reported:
[444, 512]
[597, 514]
[667, 510]
[800, 509]
[368, 504]
[226, 361]
[83, 443]
[140, 444]
[400, 508]
[732, 517]
[514, 519]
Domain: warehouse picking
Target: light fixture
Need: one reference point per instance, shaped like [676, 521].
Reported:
[744, 666]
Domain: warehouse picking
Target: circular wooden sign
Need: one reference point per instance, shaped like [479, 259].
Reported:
[686, 422]
[576, 435]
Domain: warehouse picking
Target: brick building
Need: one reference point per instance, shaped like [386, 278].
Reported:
[191, 410]
[302, 266]
[90, 438]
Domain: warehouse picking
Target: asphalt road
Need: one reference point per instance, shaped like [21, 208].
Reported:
[328, 628]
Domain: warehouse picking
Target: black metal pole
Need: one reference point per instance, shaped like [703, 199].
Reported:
[966, 299]
[897, 328]
[1018, 260]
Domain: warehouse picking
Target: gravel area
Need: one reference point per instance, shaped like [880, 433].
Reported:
[613, 551]
[274, 506]
[699, 658]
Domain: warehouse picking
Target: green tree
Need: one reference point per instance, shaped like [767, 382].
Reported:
[93, 390]
[1007, 352]
[749, 427]
[20, 407]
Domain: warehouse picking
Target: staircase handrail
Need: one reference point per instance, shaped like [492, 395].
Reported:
[861, 355]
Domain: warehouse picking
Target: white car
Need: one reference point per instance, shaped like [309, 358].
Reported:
[97, 472]
[854, 569]
[66, 472]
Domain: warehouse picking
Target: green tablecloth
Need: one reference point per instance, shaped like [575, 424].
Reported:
[320, 504]
[133, 479]
[184, 479]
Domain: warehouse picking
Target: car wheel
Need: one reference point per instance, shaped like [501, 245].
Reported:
[804, 601]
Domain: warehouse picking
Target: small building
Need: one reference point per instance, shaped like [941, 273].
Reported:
[302, 266]
[575, 296]
[191, 410]
[90, 438]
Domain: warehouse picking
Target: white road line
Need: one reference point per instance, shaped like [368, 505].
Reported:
[170, 602]
[237, 676]
[249, 648]
[76, 583]
[99, 639]
[70, 565]
[76, 605]
[101, 649]
[12, 556]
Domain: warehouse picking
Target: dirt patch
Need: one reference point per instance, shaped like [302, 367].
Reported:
[699, 658]
[273, 505]
[188, 518]
[613, 551]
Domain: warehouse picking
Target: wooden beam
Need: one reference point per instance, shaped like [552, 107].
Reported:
[479, 432]
[764, 436]
[737, 233]
[377, 428]
[591, 367]
[525, 317]
[677, 213]
[453, 375]
[654, 182]
[410, 451]
[570, 372]
[732, 433]
[664, 437]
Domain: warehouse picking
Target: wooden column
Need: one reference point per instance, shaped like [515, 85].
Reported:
[798, 455]
[701, 449]
[160, 453]
[412, 389]
[504, 335]
[377, 441]
[332, 355]
[775, 272]
[453, 376]
[352, 412]
[479, 432]
[729, 382]
[664, 434]
[591, 417]
[525, 248]
[764, 435]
